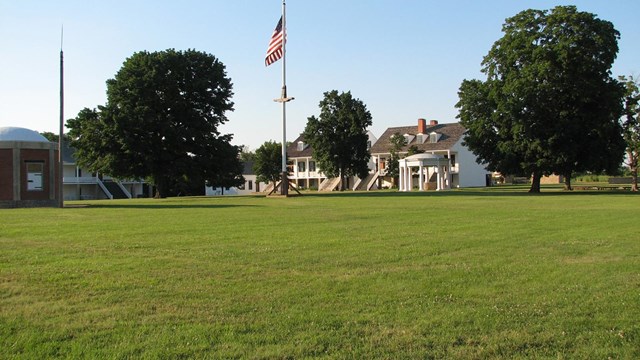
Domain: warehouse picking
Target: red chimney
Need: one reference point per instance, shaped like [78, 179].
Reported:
[422, 126]
[433, 122]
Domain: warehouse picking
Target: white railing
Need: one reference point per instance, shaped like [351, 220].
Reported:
[124, 190]
[79, 180]
[306, 175]
[104, 188]
[372, 181]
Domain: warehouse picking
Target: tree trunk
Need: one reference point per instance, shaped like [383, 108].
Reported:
[567, 181]
[535, 183]
[161, 187]
[633, 166]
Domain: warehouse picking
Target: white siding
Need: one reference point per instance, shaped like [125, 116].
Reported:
[471, 173]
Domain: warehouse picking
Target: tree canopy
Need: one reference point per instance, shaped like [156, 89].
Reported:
[631, 126]
[161, 122]
[268, 162]
[339, 136]
[549, 103]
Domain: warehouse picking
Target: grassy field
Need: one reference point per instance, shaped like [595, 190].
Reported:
[458, 274]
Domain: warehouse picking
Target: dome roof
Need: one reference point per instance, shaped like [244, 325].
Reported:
[10, 133]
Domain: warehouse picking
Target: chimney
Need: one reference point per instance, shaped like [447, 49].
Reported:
[433, 122]
[422, 126]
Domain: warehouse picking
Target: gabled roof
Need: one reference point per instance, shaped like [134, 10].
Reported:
[293, 152]
[247, 168]
[450, 134]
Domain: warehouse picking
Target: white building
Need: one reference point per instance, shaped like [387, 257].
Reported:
[251, 184]
[305, 173]
[82, 184]
[450, 164]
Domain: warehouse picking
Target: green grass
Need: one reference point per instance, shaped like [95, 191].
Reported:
[470, 274]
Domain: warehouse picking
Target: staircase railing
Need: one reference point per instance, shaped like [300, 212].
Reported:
[104, 188]
[124, 189]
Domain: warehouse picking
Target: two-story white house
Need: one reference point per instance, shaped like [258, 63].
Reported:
[305, 173]
[447, 163]
[82, 184]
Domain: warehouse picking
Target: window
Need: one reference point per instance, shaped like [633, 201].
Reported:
[34, 176]
[433, 137]
[250, 185]
[369, 145]
[301, 166]
[300, 145]
[312, 166]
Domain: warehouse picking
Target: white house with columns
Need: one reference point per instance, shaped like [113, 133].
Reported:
[442, 161]
[305, 173]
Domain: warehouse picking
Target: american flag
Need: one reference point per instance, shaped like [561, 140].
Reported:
[276, 45]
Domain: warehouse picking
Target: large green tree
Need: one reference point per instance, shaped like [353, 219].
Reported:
[267, 162]
[339, 136]
[161, 122]
[631, 126]
[549, 103]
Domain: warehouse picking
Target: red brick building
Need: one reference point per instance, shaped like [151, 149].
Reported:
[28, 169]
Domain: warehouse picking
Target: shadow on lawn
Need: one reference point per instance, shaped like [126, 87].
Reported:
[159, 206]
[486, 192]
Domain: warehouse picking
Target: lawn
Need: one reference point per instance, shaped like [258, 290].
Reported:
[459, 274]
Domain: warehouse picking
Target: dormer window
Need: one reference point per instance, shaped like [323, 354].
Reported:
[408, 138]
[300, 145]
[434, 137]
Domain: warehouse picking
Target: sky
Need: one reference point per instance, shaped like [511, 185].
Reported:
[404, 59]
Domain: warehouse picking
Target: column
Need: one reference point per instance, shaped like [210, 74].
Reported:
[439, 178]
[421, 177]
[404, 178]
[427, 168]
[400, 178]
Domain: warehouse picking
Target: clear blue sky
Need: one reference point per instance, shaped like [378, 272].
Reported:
[404, 59]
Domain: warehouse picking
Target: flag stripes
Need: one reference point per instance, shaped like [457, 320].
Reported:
[276, 45]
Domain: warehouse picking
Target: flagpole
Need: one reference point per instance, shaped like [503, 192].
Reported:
[60, 137]
[285, 179]
[284, 99]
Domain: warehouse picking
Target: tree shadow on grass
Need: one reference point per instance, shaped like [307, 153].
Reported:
[160, 206]
[190, 202]
[484, 192]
